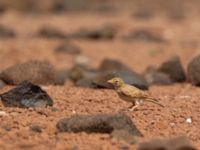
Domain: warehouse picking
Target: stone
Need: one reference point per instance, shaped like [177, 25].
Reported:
[113, 65]
[37, 72]
[6, 32]
[68, 48]
[99, 123]
[179, 143]
[154, 77]
[174, 69]
[26, 95]
[78, 72]
[105, 32]
[86, 82]
[61, 76]
[2, 84]
[193, 71]
[35, 128]
[146, 35]
[143, 14]
[131, 78]
[49, 32]
[110, 68]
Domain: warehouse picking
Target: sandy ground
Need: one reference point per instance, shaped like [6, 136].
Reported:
[181, 100]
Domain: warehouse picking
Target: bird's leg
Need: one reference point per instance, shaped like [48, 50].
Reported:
[134, 106]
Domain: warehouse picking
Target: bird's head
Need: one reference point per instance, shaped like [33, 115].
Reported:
[116, 82]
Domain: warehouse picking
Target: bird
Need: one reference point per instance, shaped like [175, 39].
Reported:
[132, 94]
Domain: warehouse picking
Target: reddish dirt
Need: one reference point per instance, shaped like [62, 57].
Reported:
[181, 100]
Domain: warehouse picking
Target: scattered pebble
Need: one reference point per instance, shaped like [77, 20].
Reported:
[189, 120]
[146, 35]
[49, 32]
[68, 48]
[105, 32]
[6, 33]
[179, 143]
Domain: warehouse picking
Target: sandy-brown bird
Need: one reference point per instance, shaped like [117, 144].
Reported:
[131, 94]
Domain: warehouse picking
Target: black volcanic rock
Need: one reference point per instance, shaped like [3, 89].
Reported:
[174, 69]
[26, 95]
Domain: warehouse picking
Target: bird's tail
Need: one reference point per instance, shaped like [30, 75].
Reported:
[155, 101]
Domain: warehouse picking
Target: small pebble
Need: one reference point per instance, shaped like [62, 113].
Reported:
[189, 120]
[3, 113]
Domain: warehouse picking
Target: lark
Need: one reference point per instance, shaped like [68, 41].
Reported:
[131, 94]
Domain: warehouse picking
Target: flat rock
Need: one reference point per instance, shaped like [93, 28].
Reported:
[68, 48]
[174, 69]
[131, 78]
[179, 143]
[110, 68]
[26, 95]
[100, 123]
[49, 32]
[6, 32]
[146, 35]
[37, 72]
[143, 14]
[113, 65]
[105, 32]
[79, 72]
[61, 76]
[35, 128]
[2, 84]
[193, 70]
[154, 77]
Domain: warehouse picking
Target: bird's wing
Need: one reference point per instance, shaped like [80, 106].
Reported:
[133, 92]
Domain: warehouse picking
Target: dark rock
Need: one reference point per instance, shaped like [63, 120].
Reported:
[106, 32]
[146, 35]
[86, 82]
[113, 65]
[2, 84]
[37, 72]
[131, 78]
[2, 9]
[194, 70]
[6, 33]
[174, 69]
[179, 143]
[124, 135]
[61, 76]
[68, 48]
[100, 123]
[82, 75]
[154, 77]
[110, 68]
[48, 32]
[79, 72]
[35, 128]
[143, 14]
[26, 95]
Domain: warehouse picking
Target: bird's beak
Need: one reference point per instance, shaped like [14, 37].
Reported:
[110, 81]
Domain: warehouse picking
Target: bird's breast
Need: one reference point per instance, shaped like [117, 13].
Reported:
[126, 98]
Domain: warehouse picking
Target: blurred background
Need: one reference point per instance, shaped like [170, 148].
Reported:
[122, 29]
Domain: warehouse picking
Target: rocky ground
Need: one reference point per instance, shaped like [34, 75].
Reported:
[67, 58]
